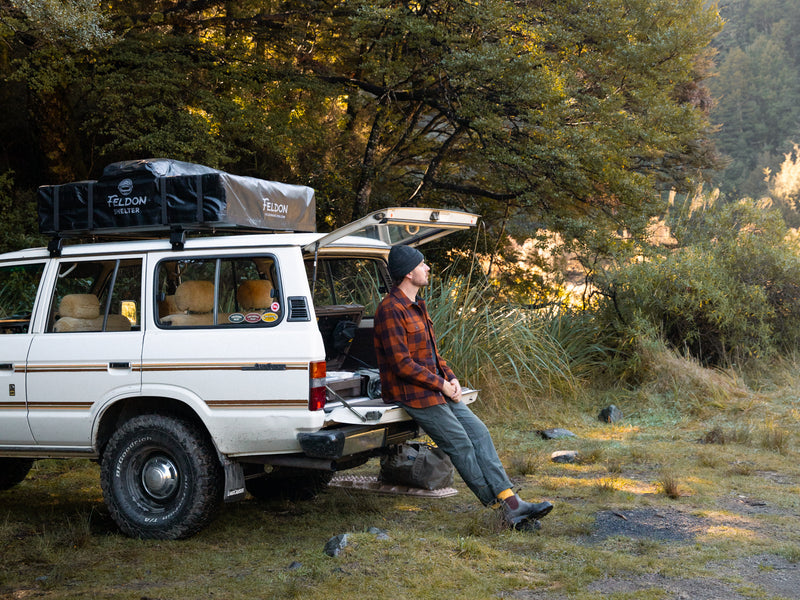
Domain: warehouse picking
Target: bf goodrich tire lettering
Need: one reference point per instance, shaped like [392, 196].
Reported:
[161, 478]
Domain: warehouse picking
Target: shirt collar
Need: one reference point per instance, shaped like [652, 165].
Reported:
[403, 299]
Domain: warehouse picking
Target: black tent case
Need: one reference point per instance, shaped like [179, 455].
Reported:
[155, 196]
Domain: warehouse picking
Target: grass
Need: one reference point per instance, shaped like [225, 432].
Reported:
[728, 471]
[510, 353]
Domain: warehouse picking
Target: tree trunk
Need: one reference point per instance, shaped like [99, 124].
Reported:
[361, 204]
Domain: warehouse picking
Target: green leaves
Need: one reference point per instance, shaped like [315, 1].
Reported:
[556, 115]
[728, 293]
[756, 91]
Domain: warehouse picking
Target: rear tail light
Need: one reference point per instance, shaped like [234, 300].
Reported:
[316, 394]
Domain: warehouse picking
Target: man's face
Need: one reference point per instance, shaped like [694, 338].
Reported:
[419, 275]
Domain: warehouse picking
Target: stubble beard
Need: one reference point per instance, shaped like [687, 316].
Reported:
[421, 281]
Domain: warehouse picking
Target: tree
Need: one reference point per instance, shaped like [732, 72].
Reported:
[756, 91]
[568, 115]
[73, 24]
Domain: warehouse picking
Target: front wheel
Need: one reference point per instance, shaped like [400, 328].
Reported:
[161, 478]
[13, 470]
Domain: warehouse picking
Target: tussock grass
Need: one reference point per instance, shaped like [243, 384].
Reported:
[519, 358]
[669, 484]
[710, 460]
[592, 454]
[775, 437]
[741, 468]
[614, 466]
[606, 485]
[790, 552]
[701, 391]
[524, 464]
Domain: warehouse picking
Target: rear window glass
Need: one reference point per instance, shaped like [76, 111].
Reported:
[97, 295]
[348, 281]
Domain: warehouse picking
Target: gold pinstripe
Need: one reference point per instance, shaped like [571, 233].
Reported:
[155, 368]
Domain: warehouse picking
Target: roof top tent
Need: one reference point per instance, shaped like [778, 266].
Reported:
[143, 198]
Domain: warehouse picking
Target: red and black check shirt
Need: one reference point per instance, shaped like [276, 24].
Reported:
[412, 372]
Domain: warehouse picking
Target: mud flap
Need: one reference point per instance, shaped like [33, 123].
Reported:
[234, 481]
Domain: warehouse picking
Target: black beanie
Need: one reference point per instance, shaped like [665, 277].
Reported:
[403, 260]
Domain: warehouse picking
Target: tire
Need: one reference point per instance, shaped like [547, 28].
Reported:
[13, 470]
[285, 483]
[161, 478]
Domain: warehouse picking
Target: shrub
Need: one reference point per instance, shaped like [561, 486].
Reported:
[697, 305]
[19, 216]
[730, 291]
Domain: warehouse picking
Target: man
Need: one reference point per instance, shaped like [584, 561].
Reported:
[413, 374]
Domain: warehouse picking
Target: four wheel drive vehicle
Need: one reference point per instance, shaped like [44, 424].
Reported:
[197, 369]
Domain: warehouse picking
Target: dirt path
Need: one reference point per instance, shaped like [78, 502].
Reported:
[760, 576]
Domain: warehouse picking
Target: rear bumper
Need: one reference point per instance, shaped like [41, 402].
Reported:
[348, 440]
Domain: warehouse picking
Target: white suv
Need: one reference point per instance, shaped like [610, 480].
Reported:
[197, 369]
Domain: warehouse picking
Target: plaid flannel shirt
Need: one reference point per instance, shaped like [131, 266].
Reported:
[412, 372]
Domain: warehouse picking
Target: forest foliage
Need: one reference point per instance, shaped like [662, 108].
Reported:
[755, 90]
[567, 122]
[560, 115]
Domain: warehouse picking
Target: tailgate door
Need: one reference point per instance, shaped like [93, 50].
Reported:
[404, 225]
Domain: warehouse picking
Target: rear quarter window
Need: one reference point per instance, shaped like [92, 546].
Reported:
[240, 291]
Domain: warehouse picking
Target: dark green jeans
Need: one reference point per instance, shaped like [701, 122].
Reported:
[466, 440]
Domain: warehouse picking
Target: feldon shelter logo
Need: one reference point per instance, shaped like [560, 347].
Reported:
[274, 209]
[125, 203]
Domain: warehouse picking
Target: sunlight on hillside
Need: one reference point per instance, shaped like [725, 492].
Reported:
[785, 184]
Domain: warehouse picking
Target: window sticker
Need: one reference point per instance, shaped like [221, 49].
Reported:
[275, 307]
[269, 317]
[253, 317]
[235, 318]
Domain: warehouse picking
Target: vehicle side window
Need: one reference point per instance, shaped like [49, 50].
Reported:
[348, 281]
[97, 295]
[218, 292]
[18, 286]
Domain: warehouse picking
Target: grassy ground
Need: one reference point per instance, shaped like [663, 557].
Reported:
[696, 499]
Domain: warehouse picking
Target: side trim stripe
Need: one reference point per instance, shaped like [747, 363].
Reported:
[157, 367]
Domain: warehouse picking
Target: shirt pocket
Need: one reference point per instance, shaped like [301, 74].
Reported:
[414, 328]
[415, 338]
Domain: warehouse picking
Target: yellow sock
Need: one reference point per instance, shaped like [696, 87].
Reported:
[505, 494]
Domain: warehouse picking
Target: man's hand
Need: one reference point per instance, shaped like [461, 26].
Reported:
[452, 389]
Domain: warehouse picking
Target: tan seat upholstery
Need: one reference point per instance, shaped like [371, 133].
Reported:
[254, 295]
[117, 323]
[81, 312]
[167, 307]
[79, 306]
[195, 301]
[78, 312]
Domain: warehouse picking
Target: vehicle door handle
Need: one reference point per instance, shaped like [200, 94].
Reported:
[119, 365]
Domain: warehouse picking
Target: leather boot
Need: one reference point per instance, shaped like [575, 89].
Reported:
[516, 510]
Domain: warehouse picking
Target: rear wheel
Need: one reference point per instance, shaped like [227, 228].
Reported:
[161, 478]
[13, 470]
[285, 483]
